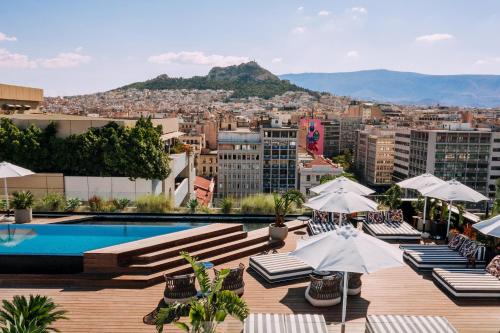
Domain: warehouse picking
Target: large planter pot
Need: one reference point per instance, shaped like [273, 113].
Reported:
[277, 233]
[23, 215]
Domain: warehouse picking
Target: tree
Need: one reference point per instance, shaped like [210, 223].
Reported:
[206, 313]
[345, 160]
[283, 204]
[33, 315]
[392, 197]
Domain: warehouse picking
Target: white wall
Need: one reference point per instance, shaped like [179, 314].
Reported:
[109, 187]
[181, 192]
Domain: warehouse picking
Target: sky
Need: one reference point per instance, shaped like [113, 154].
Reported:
[86, 46]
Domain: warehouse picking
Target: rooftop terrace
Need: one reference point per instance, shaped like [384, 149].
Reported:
[391, 291]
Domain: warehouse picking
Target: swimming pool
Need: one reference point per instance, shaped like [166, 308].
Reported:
[73, 240]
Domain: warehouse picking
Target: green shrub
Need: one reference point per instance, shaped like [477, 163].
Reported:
[204, 209]
[95, 203]
[192, 205]
[52, 202]
[108, 206]
[258, 204]
[154, 204]
[22, 200]
[226, 205]
[72, 204]
[121, 203]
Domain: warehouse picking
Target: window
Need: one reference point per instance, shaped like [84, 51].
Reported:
[308, 178]
[318, 178]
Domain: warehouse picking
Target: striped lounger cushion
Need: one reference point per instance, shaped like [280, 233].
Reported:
[317, 227]
[392, 230]
[438, 256]
[290, 323]
[413, 324]
[279, 267]
[474, 283]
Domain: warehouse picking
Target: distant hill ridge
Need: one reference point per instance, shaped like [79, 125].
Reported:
[245, 80]
[405, 87]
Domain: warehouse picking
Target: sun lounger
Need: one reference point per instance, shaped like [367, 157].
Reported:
[289, 323]
[414, 324]
[317, 227]
[471, 283]
[466, 253]
[390, 226]
[278, 267]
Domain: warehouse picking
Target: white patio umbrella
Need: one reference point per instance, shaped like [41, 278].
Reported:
[344, 183]
[12, 236]
[348, 250]
[490, 227]
[451, 191]
[342, 202]
[9, 170]
[421, 183]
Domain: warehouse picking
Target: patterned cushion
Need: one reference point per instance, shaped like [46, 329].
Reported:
[494, 267]
[395, 216]
[457, 241]
[375, 217]
[468, 248]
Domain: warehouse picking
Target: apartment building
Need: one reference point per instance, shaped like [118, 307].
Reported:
[459, 152]
[207, 164]
[402, 140]
[239, 163]
[15, 99]
[339, 134]
[311, 171]
[494, 163]
[279, 158]
[195, 140]
[375, 155]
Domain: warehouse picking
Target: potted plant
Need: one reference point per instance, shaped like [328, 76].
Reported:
[203, 314]
[283, 204]
[22, 203]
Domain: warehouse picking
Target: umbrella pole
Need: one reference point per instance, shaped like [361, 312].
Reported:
[6, 195]
[425, 214]
[449, 219]
[344, 299]
[340, 220]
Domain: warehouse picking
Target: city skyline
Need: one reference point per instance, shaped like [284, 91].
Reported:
[91, 46]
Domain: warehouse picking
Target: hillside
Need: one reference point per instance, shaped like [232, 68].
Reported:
[245, 80]
[406, 87]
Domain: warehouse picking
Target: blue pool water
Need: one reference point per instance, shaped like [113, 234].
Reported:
[73, 240]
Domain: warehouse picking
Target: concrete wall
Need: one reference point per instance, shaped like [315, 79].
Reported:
[109, 187]
[39, 184]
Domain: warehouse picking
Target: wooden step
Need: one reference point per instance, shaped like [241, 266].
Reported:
[194, 246]
[141, 281]
[200, 254]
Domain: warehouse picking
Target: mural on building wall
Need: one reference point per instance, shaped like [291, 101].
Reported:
[312, 135]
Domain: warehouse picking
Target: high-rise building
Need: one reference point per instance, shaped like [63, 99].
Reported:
[494, 163]
[339, 134]
[375, 155]
[401, 154]
[460, 154]
[279, 158]
[239, 163]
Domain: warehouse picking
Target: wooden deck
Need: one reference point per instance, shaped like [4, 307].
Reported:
[392, 291]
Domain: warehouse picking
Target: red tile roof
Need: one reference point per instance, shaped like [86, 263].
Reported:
[204, 190]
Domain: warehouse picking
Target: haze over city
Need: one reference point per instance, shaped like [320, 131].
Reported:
[89, 46]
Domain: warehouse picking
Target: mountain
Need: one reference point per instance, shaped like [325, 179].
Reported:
[246, 80]
[406, 87]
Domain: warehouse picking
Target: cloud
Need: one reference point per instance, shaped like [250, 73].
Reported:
[5, 38]
[276, 60]
[434, 38]
[15, 60]
[299, 30]
[488, 61]
[65, 60]
[79, 49]
[359, 10]
[196, 58]
[323, 13]
[301, 8]
[352, 54]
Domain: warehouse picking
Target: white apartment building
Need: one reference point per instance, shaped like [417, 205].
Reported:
[310, 173]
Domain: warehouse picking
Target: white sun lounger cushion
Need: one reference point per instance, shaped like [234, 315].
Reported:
[413, 324]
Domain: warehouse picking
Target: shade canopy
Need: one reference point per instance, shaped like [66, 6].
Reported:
[348, 250]
[9, 170]
[344, 183]
[421, 183]
[341, 201]
[490, 227]
[453, 190]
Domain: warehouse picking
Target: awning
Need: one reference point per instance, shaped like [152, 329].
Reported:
[171, 135]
